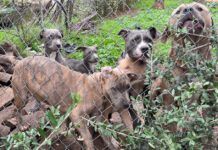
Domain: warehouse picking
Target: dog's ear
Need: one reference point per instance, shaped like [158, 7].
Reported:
[154, 33]
[82, 48]
[106, 72]
[132, 76]
[165, 35]
[41, 34]
[124, 33]
[95, 47]
[62, 32]
[138, 28]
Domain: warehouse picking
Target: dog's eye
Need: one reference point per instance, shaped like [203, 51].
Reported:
[178, 11]
[137, 39]
[50, 37]
[147, 40]
[59, 37]
[199, 9]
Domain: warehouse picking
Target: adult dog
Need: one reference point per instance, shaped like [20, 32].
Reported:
[190, 27]
[53, 83]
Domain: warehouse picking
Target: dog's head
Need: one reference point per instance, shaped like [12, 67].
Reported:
[139, 42]
[10, 49]
[194, 18]
[116, 86]
[52, 39]
[89, 53]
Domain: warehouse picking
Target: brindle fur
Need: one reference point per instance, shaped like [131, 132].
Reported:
[53, 83]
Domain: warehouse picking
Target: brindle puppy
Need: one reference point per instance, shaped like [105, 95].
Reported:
[10, 50]
[9, 56]
[88, 64]
[53, 83]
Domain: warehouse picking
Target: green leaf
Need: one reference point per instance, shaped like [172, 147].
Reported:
[52, 118]
[41, 132]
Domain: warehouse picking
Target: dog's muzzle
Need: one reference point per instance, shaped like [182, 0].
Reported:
[192, 24]
[126, 104]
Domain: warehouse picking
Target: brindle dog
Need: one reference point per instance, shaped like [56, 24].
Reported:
[53, 83]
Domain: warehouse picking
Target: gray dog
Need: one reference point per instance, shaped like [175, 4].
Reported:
[52, 39]
[88, 64]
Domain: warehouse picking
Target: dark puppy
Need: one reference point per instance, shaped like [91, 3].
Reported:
[52, 39]
[88, 64]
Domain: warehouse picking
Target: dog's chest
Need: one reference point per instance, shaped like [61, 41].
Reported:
[92, 67]
[129, 66]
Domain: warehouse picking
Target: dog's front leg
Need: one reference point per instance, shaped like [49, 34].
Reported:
[111, 142]
[127, 119]
[81, 126]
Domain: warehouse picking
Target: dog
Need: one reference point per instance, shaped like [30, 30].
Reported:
[52, 39]
[195, 20]
[134, 60]
[10, 50]
[53, 83]
[139, 45]
[88, 64]
[9, 56]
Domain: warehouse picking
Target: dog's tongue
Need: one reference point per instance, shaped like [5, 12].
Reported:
[188, 24]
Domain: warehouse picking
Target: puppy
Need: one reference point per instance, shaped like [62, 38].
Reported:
[195, 21]
[10, 50]
[138, 49]
[88, 64]
[134, 60]
[9, 56]
[53, 83]
[52, 39]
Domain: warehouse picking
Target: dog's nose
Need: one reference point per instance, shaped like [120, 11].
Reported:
[126, 104]
[58, 45]
[144, 49]
[187, 10]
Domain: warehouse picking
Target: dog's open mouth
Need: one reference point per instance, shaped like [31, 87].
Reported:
[191, 24]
